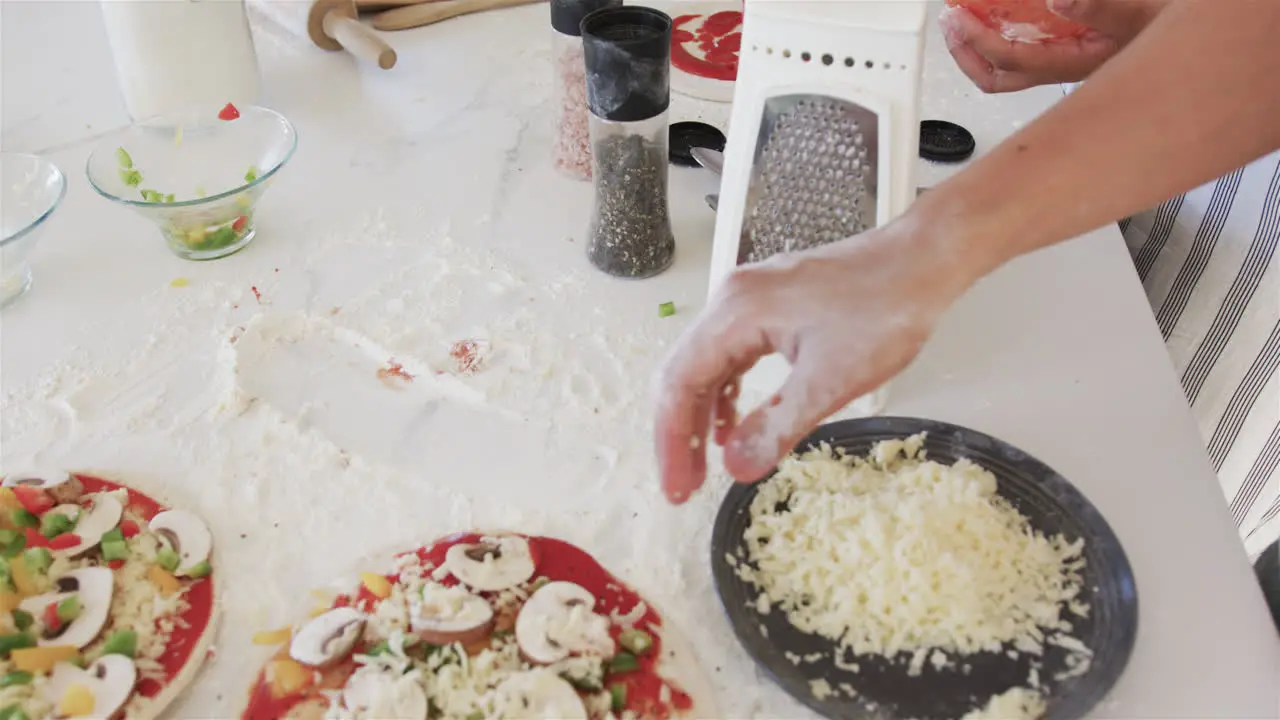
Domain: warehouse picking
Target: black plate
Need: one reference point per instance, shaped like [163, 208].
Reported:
[1050, 503]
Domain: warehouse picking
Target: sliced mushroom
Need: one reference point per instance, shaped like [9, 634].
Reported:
[557, 621]
[111, 679]
[539, 693]
[446, 615]
[374, 692]
[94, 586]
[492, 564]
[62, 486]
[99, 516]
[186, 535]
[327, 638]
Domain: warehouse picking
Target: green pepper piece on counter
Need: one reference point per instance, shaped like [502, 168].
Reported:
[167, 559]
[23, 620]
[618, 695]
[199, 570]
[17, 677]
[623, 662]
[636, 641]
[666, 309]
[23, 519]
[13, 712]
[114, 550]
[15, 641]
[54, 524]
[251, 174]
[121, 642]
[132, 178]
[69, 608]
[123, 158]
[38, 559]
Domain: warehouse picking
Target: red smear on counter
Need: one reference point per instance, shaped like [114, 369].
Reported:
[717, 41]
[192, 623]
[256, 295]
[394, 370]
[555, 560]
[466, 354]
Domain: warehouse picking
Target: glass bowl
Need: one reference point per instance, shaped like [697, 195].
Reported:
[195, 175]
[32, 189]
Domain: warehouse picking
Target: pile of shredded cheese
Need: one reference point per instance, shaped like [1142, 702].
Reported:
[895, 553]
[1012, 704]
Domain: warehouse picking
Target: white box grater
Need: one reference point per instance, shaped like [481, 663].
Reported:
[823, 138]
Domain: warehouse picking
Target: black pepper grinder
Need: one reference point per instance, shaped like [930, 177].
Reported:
[628, 61]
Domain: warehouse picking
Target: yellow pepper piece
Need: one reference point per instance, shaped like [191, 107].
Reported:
[9, 602]
[167, 583]
[273, 637]
[180, 282]
[288, 677]
[22, 577]
[376, 584]
[42, 659]
[77, 702]
[8, 500]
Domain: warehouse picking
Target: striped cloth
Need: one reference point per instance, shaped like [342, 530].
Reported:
[1209, 264]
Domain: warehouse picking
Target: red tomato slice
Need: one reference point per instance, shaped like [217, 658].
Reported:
[229, 112]
[35, 539]
[115, 564]
[129, 528]
[1005, 15]
[36, 501]
[64, 541]
[239, 224]
[50, 616]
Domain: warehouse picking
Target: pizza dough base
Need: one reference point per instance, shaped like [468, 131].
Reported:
[200, 651]
[678, 663]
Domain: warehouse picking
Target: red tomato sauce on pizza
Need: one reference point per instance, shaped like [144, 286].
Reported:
[554, 560]
[717, 40]
[199, 596]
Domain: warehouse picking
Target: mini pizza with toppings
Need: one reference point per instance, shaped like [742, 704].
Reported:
[475, 627]
[106, 598]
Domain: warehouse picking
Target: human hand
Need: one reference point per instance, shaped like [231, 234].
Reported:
[847, 316]
[999, 65]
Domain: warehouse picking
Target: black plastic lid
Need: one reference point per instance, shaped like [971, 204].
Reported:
[942, 141]
[684, 136]
[628, 58]
[567, 15]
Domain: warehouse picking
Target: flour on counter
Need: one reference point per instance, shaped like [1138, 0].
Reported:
[270, 421]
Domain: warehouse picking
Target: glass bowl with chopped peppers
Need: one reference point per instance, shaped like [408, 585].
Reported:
[198, 176]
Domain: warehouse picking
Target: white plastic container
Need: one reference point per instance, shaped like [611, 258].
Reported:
[175, 55]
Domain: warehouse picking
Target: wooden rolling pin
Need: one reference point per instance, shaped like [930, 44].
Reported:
[332, 25]
[427, 13]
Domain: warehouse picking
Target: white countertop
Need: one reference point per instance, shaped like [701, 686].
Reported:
[421, 204]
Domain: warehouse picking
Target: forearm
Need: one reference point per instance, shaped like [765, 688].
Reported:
[1193, 97]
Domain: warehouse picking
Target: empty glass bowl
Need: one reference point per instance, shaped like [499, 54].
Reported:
[197, 176]
[33, 188]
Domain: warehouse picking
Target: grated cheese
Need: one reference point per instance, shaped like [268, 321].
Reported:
[895, 553]
[1013, 704]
